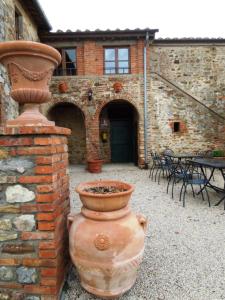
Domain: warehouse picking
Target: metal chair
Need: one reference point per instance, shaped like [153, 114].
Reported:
[191, 177]
[177, 172]
[156, 165]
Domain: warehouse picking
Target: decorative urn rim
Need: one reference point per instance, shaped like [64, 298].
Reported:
[29, 48]
[115, 183]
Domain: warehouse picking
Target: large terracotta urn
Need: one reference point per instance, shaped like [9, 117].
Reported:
[106, 238]
[30, 66]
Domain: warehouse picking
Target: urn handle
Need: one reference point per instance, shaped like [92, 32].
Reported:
[142, 221]
[70, 219]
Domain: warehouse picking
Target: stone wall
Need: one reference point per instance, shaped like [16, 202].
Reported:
[198, 70]
[7, 14]
[34, 203]
[8, 107]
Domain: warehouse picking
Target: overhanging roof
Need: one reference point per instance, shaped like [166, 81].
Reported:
[34, 9]
[98, 34]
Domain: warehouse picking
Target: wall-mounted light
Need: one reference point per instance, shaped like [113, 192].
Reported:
[90, 94]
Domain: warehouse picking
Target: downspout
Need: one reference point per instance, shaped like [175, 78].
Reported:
[145, 99]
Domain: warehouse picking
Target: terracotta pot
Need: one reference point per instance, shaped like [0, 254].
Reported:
[30, 66]
[106, 240]
[95, 165]
[117, 87]
[63, 87]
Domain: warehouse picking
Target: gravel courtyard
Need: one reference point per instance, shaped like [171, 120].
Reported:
[185, 247]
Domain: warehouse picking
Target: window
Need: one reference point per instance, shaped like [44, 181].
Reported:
[176, 127]
[68, 65]
[117, 60]
[18, 25]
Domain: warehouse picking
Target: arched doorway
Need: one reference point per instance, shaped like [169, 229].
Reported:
[70, 116]
[118, 132]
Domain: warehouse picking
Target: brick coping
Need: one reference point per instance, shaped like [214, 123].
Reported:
[34, 130]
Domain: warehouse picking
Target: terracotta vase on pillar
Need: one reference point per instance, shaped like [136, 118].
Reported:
[106, 238]
[30, 66]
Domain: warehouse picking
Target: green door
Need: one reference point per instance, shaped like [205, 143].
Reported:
[121, 141]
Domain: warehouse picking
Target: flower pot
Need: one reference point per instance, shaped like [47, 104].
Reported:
[30, 66]
[95, 165]
[117, 87]
[106, 240]
[63, 87]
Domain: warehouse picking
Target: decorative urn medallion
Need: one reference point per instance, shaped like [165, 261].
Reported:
[106, 240]
[30, 66]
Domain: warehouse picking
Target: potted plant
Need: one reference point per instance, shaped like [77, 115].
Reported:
[106, 238]
[218, 153]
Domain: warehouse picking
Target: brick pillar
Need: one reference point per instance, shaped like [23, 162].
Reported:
[34, 202]
[92, 139]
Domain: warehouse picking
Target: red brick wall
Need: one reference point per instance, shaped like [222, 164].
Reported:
[90, 58]
[41, 154]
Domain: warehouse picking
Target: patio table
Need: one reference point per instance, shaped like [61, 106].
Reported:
[183, 155]
[213, 164]
[178, 168]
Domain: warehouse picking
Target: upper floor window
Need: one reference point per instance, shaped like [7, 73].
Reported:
[117, 60]
[18, 25]
[68, 65]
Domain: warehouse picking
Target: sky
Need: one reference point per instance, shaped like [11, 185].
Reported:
[173, 18]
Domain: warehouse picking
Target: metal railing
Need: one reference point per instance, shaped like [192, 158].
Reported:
[185, 93]
[65, 72]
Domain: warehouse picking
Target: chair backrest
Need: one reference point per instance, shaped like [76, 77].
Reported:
[168, 151]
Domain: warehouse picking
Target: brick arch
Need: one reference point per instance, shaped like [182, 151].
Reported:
[127, 100]
[60, 102]
[68, 114]
[138, 140]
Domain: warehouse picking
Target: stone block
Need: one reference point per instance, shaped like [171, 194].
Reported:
[9, 209]
[7, 179]
[5, 295]
[18, 193]
[7, 236]
[27, 275]
[6, 274]
[19, 165]
[18, 248]
[5, 224]
[24, 223]
[4, 153]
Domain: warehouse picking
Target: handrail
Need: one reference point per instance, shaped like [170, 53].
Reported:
[168, 82]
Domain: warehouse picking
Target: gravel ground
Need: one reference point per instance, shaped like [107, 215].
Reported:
[184, 255]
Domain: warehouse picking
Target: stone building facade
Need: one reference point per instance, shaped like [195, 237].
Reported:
[184, 94]
[178, 103]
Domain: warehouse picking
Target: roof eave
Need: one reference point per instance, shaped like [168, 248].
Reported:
[35, 10]
[98, 35]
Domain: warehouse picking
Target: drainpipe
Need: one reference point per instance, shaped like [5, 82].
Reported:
[145, 97]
